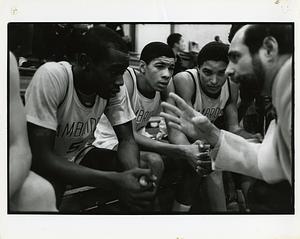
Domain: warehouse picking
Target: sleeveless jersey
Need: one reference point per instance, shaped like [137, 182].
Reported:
[210, 107]
[73, 122]
[143, 108]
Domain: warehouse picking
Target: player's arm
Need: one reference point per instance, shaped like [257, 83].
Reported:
[19, 150]
[171, 150]
[183, 85]
[47, 163]
[128, 152]
[231, 114]
[43, 96]
[148, 144]
[145, 143]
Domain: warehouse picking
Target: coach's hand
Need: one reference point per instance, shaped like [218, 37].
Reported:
[190, 122]
[135, 195]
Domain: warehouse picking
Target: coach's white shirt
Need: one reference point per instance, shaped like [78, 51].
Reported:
[271, 160]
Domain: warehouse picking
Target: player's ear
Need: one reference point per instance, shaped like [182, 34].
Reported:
[83, 61]
[142, 66]
[270, 45]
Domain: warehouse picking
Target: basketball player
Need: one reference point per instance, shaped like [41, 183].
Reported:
[27, 190]
[207, 89]
[63, 105]
[261, 58]
[146, 88]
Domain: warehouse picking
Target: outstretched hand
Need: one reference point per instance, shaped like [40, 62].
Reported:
[192, 123]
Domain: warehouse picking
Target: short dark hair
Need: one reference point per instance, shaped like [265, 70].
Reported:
[173, 38]
[215, 51]
[97, 41]
[154, 50]
[283, 33]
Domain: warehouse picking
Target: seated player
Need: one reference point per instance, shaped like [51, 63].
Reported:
[27, 190]
[207, 89]
[63, 105]
[146, 88]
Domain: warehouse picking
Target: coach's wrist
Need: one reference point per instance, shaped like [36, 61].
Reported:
[214, 136]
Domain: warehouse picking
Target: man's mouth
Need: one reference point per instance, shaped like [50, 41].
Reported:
[164, 83]
[214, 87]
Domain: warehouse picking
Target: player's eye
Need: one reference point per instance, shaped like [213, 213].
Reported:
[160, 66]
[207, 72]
[117, 71]
[171, 68]
[221, 73]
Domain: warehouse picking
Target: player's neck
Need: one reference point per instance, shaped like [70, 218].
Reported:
[81, 82]
[211, 95]
[176, 51]
[85, 94]
[144, 88]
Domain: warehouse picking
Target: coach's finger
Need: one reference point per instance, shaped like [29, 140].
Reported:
[170, 117]
[175, 126]
[180, 102]
[171, 108]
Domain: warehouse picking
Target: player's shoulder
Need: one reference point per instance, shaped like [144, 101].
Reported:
[53, 74]
[55, 68]
[184, 77]
[128, 76]
[184, 84]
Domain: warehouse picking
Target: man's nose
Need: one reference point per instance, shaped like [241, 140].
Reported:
[119, 81]
[229, 72]
[166, 73]
[214, 79]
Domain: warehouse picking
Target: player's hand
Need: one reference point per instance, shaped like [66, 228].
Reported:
[192, 123]
[190, 153]
[134, 194]
[204, 163]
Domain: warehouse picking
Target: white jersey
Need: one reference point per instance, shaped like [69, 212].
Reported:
[52, 102]
[143, 107]
[210, 107]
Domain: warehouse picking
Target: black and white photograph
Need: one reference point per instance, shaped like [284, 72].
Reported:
[168, 120]
[181, 121]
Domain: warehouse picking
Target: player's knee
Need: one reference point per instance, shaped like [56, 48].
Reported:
[36, 194]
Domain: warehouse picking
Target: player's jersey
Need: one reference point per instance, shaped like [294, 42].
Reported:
[210, 107]
[143, 108]
[52, 102]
